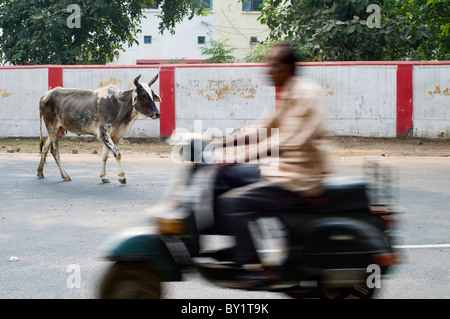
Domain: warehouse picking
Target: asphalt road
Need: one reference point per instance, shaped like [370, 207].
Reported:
[51, 230]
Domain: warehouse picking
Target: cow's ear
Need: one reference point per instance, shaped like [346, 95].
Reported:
[134, 97]
[156, 97]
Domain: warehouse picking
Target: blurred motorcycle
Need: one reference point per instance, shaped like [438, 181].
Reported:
[336, 245]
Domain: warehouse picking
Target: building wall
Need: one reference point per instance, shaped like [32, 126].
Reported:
[182, 45]
[431, 91]
[379, 99]
[230, 22]
[361, 98]
[20, 90]
[226, 20]
[221, 97]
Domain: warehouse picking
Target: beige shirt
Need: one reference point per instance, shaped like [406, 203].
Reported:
[302, 139]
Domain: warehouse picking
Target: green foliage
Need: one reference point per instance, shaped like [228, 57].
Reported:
[219, 51]
[342, 30]
[37, 32]
[174, 11]
[437, 15]
[259, 53]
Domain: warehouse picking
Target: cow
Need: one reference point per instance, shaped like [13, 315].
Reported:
[106, 113]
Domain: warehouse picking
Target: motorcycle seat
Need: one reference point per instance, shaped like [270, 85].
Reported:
[345, 182]
[341, 193]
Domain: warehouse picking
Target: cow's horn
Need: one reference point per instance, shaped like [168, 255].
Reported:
[153, 80]
[136, 81]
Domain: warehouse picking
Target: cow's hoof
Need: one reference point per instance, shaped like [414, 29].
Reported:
[106, 180]
[67, 178]
[40, 175]
[122, 180]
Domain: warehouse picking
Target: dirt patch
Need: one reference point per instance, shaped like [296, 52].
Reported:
[86, 145]
[344, 146]
[367, 146]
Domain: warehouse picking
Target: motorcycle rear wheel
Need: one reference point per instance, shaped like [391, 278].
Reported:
[324, 292]
[130, 280]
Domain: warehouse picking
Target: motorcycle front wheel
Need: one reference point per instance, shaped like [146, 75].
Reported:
[130, 280]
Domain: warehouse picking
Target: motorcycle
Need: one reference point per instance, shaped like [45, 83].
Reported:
[338, 245]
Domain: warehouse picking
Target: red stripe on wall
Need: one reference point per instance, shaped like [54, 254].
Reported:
[167, 105]
[55, 77]
[161, 61]
[218, 65]
[404, 99]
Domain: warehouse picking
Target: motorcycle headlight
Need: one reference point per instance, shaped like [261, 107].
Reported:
[170, 226]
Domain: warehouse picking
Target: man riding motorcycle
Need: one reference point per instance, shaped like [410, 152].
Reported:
[303, 146]
[325, 234]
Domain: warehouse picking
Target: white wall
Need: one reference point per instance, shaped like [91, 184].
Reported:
[20, 91]
[222, 97]
[361, 98]
[431, 103]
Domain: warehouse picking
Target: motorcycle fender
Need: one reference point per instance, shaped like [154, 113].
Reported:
[143, 244]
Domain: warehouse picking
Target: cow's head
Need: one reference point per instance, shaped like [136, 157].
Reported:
[143, 98]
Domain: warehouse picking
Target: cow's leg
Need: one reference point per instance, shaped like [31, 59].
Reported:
[108, 142]
[55, 152]
[105, 153]
[122, 178]
[44, 151]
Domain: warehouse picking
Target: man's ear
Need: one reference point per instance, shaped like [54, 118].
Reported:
[156, 97]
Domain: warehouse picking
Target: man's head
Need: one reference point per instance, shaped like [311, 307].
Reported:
[281, 59]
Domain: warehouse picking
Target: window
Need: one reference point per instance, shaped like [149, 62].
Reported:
[155, 5]
[254, 40]
[207, 4]
[252, 5]
[201, 40]
[147, 39]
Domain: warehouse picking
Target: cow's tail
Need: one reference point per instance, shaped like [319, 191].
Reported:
[42, 104]
[41, 138]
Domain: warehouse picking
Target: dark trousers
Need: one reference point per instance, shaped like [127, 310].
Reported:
[243, 204]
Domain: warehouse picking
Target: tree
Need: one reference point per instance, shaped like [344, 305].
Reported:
[436, 13]
[174, 11]
[92, 31]
[443, 12]
[259, 53]
[219, 51]
[354, 29]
